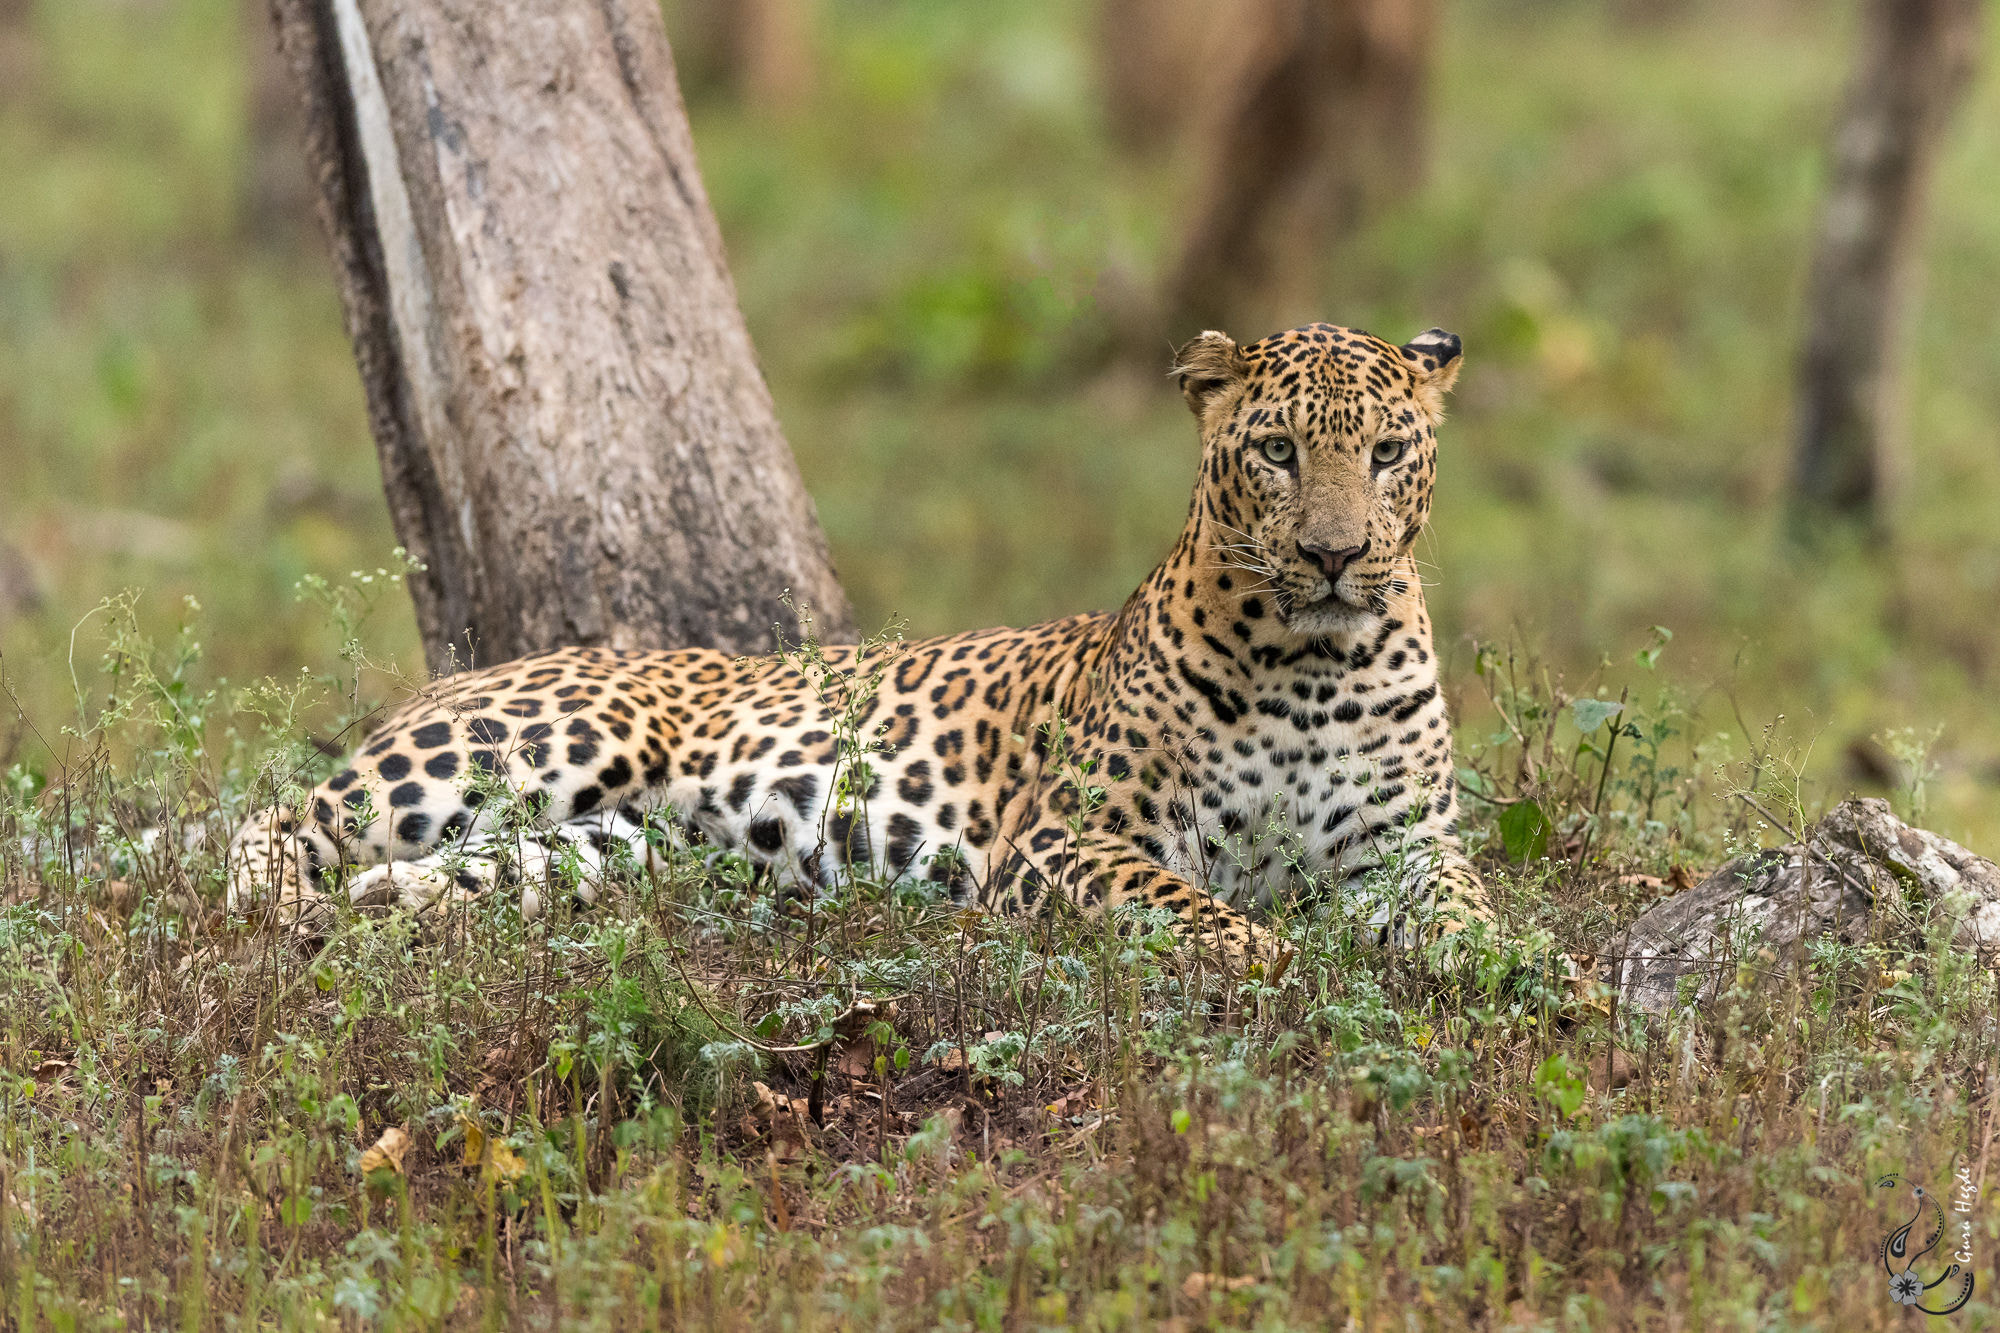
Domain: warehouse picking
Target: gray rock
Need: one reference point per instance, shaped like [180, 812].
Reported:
[1859, 872]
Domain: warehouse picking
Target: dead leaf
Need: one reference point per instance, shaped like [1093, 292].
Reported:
[507, 1165]
[494, 1157]
[858, 1061]
[1073, 1104]
[387, 1154]
[1198, 1285]
[784, 1118]
[475, 1141]
[1585, 991]
[499, 1067]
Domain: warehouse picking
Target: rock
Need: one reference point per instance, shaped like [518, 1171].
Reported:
[1859, 872]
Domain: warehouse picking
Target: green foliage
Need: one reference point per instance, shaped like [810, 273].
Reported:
[1058, 1124]
[669, 1103]
[1524, 831]
[1615, 220]
[1559, 1084]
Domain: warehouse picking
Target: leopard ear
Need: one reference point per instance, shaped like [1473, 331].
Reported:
[1208, 367]
[1434, 363]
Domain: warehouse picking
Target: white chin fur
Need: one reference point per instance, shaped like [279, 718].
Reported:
[1331, 616]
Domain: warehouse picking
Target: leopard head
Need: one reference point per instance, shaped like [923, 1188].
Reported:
[1319, 450]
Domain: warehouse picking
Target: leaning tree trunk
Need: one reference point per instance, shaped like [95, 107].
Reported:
[1328, 121]
[1916, 58]
[575, 437]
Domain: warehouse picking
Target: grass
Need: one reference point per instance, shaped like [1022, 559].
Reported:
[690, 1108]
[1064, 1128]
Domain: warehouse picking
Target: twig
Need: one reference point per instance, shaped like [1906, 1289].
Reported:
[842, 1022]
[1805, 844]
[1781, 824]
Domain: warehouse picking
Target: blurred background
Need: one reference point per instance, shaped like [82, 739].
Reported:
[968, 235]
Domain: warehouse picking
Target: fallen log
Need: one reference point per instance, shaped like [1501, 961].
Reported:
[1858, 874]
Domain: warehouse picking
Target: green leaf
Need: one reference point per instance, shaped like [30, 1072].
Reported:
[1590, 714]
[1558, 1084]
[1649, 656]
[1524, 831]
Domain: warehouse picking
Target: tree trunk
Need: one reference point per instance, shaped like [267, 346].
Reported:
[1916, 58]
[575, 437]
[16, 53]
[278, 192]
[771, 52]
[1163, 63]
[1328, 122]
[758, 52]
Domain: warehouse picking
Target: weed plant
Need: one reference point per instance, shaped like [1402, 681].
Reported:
[696, 1105]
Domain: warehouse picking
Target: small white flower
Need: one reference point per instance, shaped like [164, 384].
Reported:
[1904, 1289]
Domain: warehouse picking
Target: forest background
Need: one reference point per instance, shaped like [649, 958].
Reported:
[961, 234]
[946, 251]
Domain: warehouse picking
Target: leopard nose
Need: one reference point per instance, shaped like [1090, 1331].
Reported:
[1332, 561]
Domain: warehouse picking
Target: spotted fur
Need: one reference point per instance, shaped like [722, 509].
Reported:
[1267, 702]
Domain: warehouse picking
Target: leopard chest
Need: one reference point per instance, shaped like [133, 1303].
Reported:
[1317, 775]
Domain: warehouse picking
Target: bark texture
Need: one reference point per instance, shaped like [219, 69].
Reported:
[575, 436]
[1859, 873]
[1327, 121]
[1915, 60]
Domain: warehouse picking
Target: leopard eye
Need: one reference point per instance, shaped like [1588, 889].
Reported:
[1389, 451]
[1278, 449]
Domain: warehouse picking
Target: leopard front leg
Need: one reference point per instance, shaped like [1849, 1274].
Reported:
[274, 861]
[1438, 893]
[1460, 898]
[1100, 871]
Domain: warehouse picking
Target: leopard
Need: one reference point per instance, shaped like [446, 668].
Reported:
[1260, 725]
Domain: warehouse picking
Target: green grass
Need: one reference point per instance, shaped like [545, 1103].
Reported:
[680, 1122]
[1616, 224]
